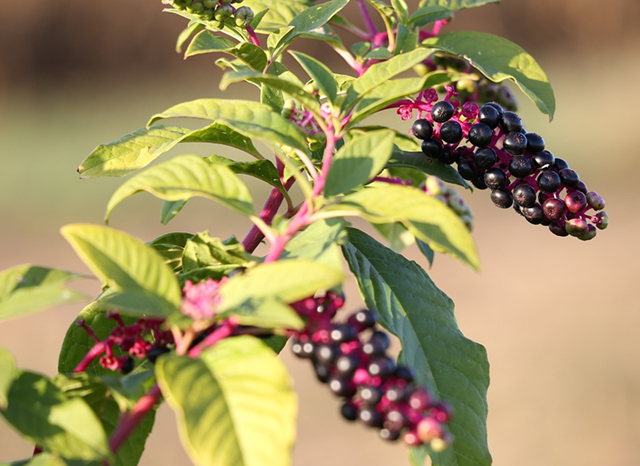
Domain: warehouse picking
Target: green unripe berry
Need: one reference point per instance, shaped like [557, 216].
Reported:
[602, 220]
[225, 1]
[196, 7]
[316, 145]
[223, 12]
[421, 69]
[466, 86]
[244, 16]
[210, 3]
[311, 87]
[207, 15]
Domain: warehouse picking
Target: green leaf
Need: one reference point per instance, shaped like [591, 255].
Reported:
[427, 165]
[170, 209]
[426, 251]
[306, 21]
[252, 119]
[138, 149]
[402, 10]
[234, 404]
[46, 459]
[321, 75]
[397, 236]
[429, 14]
[394, 90]
[279, 14]
[27, 289]
[184, 177]
[129, 266]
[410, 306]
[100, 397]
[381, 7]
[381, 53]
[207, 42]
[455, 5]
[38, 410]
[380, 73]
[319, 242]
[425, 217]
[285, 281]
[265, 313]
[358, 161]
[202, 251]
[499, 59]
[7, 372]
[171, 246]
[186, 34]
[274, 82]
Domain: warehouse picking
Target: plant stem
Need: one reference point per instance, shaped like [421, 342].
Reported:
[366, 17]
[93, 353]
[130, 421]
[253, 36]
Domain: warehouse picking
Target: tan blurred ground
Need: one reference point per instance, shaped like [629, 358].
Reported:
[560, 318]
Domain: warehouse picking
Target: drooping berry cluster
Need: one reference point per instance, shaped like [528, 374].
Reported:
[493, 150]
[218, 11]
[351, 358]
[144, 338]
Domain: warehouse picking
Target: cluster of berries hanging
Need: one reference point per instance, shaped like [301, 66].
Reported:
[493, 150]
[351, 358]
[220, 11]
[143, 339]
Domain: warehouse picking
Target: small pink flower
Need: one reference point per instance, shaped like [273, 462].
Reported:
[200, 300]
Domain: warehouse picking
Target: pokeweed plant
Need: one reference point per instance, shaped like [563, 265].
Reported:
[198, 321]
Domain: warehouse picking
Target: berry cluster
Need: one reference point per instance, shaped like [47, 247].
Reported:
[357, 369]
[493, 150]
[220, 11]
[144, 338]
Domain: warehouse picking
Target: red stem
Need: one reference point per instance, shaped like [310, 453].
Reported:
[130, 421]
[366, 17]
[93, 353]
[253, 36]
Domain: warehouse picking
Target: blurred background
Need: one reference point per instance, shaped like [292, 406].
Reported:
[560, 318]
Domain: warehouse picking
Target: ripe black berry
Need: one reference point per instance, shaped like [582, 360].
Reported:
[326, 354]
[405, 373]
[341, 333]
[533, 214]
[432, 148]
[420, 399]
[569, 177]
[543, 159]
[524, 195]
[553, 208]
[467, 170]
[370, 417]
[422, 129]
[127, 366]
[575, 201]
[480, 135]
[495, 178]
[484, 158]
[535, 143]
[322, 372]
[560, 164]
[478, 182]
[390, 434]
[448, 156]
[349, 411]
[341, 387]
[511, 122]
[362, 319]
[155, 352]
[558, 229]
[304, 349]
[549, 181]
[381, 366]
[378, 343]
[442, 111]
[347, 364]
[371, 395]
[396, 394]
[489, 115]
[501, 198]
[520, 166]
[515, 143]
[451, 132]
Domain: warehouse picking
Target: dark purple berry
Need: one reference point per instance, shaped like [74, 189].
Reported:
[511, 122]
[303, 349]
[432, 148]
[349, 411]
[501, 198]
[326, 354]
[558, 229]
[549, 181]
[405, 373]
[581, 187]
[524, 195]
[497, 106]
[478, 182]
[533, 214]
[451, 132]
[370, 417]
[396, 394]
[448, 156]
[422, 129]
[155, 352]
[127, 366]
[543, 159]
[480, 135]
[381, 366]
[347, 364]
[420, 399]
[342, 333]
[371, 395]
[322, 372]
[495, 178]
[467, 170]
[569, 177]
[389, 434]
[560, 164]
[535, 143]
[362, 319]
[553, 208]
[575, 201]
[395, 420]
[515, 143]
[484, 158]
[489, 115]
[378, 343]
[442, 111]
[520, 166]
[341, 387]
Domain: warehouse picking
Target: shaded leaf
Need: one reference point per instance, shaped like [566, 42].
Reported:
[137, 271]
[171, 246]
[234, 404]
[427, 165]
[499, 59]
[321, 75]
[410, 306]
[265, 313]
[184, 177]
[455, 5]
[207, 42]
[202, 251]
[8, 371]
[319, 242]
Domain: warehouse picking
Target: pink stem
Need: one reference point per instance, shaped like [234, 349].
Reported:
[130, 421]
[226, 328]
[93, 353]
[253, 36]
[368, 21]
